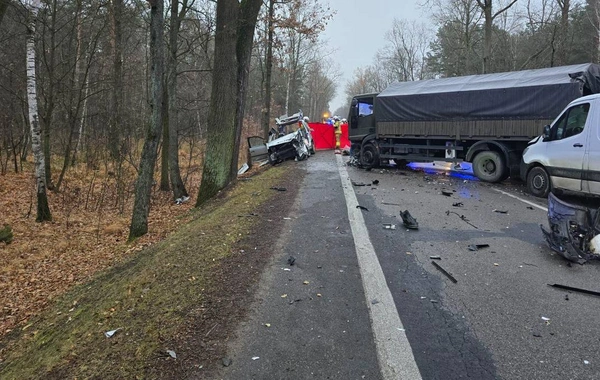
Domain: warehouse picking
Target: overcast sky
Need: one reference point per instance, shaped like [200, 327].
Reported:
[358, 30]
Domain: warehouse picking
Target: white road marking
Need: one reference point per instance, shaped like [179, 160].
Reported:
[395, 356]
[522, 200]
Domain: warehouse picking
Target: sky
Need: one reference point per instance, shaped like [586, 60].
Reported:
[358, 30]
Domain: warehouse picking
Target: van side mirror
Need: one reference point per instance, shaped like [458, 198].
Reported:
[546, 133]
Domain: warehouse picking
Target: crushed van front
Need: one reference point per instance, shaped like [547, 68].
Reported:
[573, 225]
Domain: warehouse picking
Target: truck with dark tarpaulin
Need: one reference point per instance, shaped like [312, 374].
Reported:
[483, 119]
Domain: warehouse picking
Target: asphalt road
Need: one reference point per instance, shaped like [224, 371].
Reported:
[500, 320]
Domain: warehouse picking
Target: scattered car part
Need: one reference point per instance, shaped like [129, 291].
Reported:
[451, 277]
[408, 220]
[573, 289]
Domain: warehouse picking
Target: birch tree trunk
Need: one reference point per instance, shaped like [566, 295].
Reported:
[43, 210]
[114, 132]
[143, 187]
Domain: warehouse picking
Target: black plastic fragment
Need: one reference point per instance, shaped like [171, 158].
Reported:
[362, 208]
[447, 193]
[457, 204]
[291, 260]
[444, 272]
[375, 182]
[573, 289]
[477, 247]
[409, 221]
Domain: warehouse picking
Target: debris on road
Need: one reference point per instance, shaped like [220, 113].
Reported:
[457, 204]
[530, 208]
[267, 325]
[109, 334]
[389, 226]
[374, 302]
[306, 282]
[390, 204]
[375, 182]
[477, 247]
[226, 362]
[435, 257]
[362, 208]
[409, 221]
[172, 354]
[447, 193]
[278, 188]
[284, 296]
[463, 218]
[500, 211]
[255, 357]
[451, 277]
[291, 260]
[573, 289]
[359, 183]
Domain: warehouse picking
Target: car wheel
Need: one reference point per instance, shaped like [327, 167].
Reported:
[489, 166]
[538, 182]
[370, 156]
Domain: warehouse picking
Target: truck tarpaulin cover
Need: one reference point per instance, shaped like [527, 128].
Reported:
[529, 94]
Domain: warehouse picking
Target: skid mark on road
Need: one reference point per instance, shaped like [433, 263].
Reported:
[522, 200]
[395, 356]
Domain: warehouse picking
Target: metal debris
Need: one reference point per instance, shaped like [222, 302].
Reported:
[463, 218]
[477, 247]
[444, 272]
[573, 289]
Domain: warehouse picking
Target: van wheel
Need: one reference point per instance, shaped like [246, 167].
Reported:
[370, 156]
[489, 166]
[538, 182]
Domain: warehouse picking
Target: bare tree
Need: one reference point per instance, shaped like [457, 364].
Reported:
[43, 210]
[489, 16]
[143, 188]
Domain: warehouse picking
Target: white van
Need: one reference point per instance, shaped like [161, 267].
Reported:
[567, 155]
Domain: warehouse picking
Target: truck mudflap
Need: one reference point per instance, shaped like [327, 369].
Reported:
[572, 230]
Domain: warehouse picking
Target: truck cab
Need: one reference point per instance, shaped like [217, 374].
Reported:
[567, 156]
[361, 120]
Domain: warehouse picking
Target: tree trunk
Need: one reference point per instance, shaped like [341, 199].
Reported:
[221, 126]
[43, 209]
[49, 111]
[143, 188]
[269, 70]
[3, 8]
[487, 43]
[177, 184]
[164, 153]
[114, 132]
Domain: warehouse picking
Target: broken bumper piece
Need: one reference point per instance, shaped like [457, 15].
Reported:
[572, 228]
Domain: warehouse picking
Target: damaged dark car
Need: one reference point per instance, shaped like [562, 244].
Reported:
[574, 228]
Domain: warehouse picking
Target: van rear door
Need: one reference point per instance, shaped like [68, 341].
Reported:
[566, 148]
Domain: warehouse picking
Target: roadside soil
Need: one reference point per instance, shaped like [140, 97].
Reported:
[179, 291]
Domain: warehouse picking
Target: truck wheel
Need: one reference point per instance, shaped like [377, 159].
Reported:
[488, 166]
[370, 157]
[538, 182]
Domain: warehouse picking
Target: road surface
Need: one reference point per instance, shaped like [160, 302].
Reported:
[365, 302]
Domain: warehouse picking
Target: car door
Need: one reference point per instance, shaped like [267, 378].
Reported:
[565, 149]
[591, 174]
[257, 149]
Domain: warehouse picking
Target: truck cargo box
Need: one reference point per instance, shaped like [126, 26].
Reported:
[512, 105]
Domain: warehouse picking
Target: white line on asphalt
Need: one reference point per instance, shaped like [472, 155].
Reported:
[396, 359]
[522, 200]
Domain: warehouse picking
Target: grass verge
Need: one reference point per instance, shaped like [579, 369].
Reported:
[149, 298]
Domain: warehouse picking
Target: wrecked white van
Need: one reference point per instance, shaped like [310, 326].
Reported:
[567, 156]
